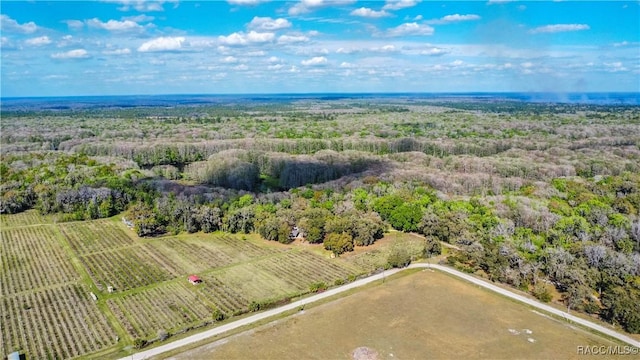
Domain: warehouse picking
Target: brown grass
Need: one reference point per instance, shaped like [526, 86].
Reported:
[420, 316]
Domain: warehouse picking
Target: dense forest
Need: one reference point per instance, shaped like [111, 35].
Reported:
[543, 197]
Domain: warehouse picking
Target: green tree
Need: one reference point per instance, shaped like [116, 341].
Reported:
[144, 220]
[275, 229]
[398, 257]
[386, 204]
[338, 243]
[432, 247]
[406, 217]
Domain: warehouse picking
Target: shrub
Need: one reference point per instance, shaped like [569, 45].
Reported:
[219, 315]
[317, 286]
[432, 247]
[139, 343]
[542, 292]
[163, 335]
[399, 257]
[254, 306]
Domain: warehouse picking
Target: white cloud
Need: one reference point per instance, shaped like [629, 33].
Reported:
[256, 37]
[71, 54]
[241, 67]
[347, 65]
[305, 6]
[369, 13]
[268, 24]
[245, 2]
[139, 5]
[291, 39]
[240, 38]
[315, 61]
[114, 25]
[434, 52]
[410, 29]
[230, 60]
[38, 41]
[275, 67]
[124, 51]
[56, 77]
[162, 44]
[559, 28]
[256, 53]
[385, 49]
[455, 18]
[139, 18]
[9, 25]
[616, 66]
[399, 4]
[6, 44]
[74, 24]
[496, 2]
[233, 39]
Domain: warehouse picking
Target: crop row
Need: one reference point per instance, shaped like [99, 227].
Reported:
[196, 256]
[242, 249]
[301, 269]
[26, 218]
[93, 236]
[128, 268]
[225, 297]
[169, 307]
[55, 323]
[254, 284]
[32, 258]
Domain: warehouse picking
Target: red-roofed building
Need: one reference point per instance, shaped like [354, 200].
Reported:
[194, 279]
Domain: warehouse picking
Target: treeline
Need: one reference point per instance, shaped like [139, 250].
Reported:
[186, 153]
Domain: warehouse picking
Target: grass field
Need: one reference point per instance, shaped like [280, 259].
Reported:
[31, 217]
[420, 316]
[48, 271]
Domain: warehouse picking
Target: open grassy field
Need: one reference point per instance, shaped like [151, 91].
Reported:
[420, 316]
[49, 270]
[25, 218]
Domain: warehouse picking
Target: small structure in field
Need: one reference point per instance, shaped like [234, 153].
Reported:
[110, 289]
[194, 279]
[127, 222]
[296, 233]
[93, 296]
[16, 356]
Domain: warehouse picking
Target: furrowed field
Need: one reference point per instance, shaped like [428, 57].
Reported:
[48, 271]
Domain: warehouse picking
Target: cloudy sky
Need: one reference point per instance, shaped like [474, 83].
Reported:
[119, 47]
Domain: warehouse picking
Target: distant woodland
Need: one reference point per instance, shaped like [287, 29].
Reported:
[543, 197]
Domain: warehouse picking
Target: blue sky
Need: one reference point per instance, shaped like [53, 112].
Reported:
[69, 48]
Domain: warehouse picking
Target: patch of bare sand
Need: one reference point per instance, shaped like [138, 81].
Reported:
[364, 353]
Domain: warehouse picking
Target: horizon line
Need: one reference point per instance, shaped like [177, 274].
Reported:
[557, 93]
